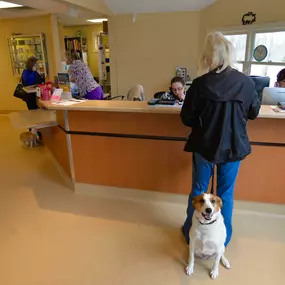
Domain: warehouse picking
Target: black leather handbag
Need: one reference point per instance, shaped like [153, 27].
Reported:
[19, 91]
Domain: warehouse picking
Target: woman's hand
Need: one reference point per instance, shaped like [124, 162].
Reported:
[181, 97]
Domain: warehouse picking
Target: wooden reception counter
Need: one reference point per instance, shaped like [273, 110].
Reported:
[133, 145]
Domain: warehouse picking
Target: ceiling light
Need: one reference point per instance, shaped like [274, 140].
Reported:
[4, 5]
[97, 20]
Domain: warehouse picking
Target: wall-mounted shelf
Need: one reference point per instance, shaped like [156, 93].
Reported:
[78, 44]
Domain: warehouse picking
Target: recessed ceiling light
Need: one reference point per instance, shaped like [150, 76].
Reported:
[97, 20]
[4, 5]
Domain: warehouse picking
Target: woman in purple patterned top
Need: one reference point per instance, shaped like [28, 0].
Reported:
[80, 74]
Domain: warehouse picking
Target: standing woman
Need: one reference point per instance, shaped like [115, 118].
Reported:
[80, 74]
[217, 107]
[30, 76]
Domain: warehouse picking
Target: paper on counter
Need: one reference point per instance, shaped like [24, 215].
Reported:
[276, 109]
[68, 103]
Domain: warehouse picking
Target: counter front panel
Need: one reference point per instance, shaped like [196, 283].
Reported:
[144, 150]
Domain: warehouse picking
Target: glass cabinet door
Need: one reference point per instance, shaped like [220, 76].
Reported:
[21, 47]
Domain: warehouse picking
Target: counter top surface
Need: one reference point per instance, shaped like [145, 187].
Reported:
[138, 107]
[114, 106]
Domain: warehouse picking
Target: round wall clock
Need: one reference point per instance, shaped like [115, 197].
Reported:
[260, 53]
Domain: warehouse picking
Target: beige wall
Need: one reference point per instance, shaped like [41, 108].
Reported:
[146, 52]
[224, 13]
[8, 82]
[87, 31]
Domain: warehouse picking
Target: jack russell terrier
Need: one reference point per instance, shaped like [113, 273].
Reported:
[208, 233]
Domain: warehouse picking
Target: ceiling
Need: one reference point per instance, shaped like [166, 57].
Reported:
[76, 12]
[155, 6]
[67, 13]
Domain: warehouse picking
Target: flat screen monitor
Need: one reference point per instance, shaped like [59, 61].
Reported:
[271, 96]
[260, 83]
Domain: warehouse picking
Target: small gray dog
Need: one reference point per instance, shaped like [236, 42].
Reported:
[29, 139]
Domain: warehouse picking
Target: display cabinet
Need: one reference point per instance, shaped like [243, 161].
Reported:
[21, 47]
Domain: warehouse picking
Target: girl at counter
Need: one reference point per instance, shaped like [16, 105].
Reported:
[81, 75]
[30, 76]
[217, 107]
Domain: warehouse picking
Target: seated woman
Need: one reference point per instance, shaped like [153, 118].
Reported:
[176, 91]
[178, 88]
[281, 79]
[81, 75]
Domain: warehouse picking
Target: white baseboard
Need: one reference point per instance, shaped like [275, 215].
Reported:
[241, 207]
[130, 194]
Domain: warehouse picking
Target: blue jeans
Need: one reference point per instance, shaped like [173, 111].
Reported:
[226, 174]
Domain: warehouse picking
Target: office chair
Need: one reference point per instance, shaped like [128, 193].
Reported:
[136, 93]
[260, 83]
[109, 97]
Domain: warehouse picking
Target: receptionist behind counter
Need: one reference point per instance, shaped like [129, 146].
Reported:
[81, 75]
[176, 92]
[178, 88]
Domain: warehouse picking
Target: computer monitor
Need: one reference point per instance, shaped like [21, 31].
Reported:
[260, 83]
[271, 96]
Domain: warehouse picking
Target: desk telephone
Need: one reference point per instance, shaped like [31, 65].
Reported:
[168, 98]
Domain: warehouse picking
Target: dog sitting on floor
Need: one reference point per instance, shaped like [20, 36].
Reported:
[29, 139]
[207, 234]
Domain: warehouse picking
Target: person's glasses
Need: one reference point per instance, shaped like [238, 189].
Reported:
[177, 89]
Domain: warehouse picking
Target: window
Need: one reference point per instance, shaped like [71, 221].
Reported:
[246, 41]
[239, 42]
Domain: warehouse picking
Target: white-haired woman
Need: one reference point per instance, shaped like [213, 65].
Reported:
[217, 108]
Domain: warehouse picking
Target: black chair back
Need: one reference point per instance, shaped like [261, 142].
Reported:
[158, 95]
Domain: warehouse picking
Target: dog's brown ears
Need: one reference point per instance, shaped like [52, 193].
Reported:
[219, 202]
[197, 199]
[197, 202]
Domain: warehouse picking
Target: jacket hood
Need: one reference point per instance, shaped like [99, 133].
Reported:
[223, 86]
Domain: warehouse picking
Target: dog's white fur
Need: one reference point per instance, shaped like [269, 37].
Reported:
[207, 234]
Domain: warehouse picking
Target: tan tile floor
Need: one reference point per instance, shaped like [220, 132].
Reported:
[50, 236]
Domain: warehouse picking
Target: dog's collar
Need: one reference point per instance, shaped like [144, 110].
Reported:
[206, 224]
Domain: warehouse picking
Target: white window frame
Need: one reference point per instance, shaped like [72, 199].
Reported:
[251, 31]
